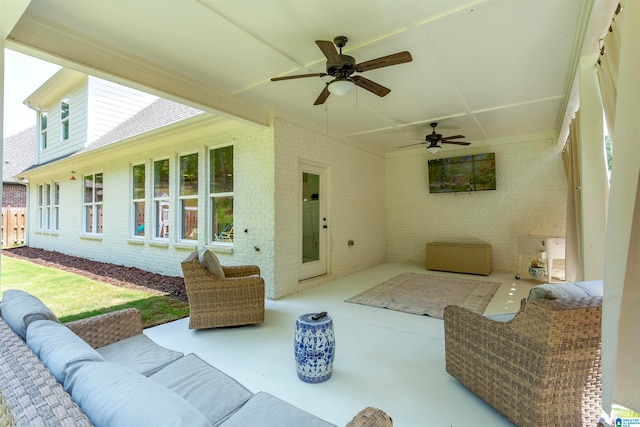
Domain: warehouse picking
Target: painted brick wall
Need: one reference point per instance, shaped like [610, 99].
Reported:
[253, 204]
[356, 207]
[530, 200]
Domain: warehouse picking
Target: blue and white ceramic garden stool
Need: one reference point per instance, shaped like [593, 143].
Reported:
[314, 347]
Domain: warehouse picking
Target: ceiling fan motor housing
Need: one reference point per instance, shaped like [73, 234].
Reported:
[342, 70]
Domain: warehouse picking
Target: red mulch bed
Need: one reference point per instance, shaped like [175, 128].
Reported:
[118, 275]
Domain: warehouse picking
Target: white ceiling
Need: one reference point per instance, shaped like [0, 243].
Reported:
[490, 70]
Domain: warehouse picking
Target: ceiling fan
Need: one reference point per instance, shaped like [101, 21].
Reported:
[341, 67]
[435, 138]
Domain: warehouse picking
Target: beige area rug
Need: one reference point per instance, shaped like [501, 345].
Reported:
[428, 295]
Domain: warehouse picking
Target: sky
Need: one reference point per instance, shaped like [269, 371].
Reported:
[22, 76]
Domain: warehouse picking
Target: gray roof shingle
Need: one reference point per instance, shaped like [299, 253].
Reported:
[19, 152]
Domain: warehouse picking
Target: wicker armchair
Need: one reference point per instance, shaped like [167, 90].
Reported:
[542, 368]
[237, 299]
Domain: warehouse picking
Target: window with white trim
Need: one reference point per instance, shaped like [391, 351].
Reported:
[161, 198]
[43, 130]
[55, 206]
[64, 119]
[221, 193]
[48, 206]
[139, 182]
[93, 203]
[188, 196]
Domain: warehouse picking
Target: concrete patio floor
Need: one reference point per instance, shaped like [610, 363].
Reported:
[387, 359]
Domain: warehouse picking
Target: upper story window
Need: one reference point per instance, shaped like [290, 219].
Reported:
[64, 119]
[221, 193]
[43, 130]
[161, 198]
[93, 203]
[138, 176]
[189, 196]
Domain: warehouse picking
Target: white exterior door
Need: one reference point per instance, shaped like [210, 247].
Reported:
[313, 222]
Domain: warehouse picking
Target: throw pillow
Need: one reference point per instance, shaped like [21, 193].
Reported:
[58, 347]
[112, 395]
[20, 308]
[210, 261]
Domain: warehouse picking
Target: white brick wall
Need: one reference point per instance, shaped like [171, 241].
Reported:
[253, 204]
[356, 207]
[530, 199]
[383, 205]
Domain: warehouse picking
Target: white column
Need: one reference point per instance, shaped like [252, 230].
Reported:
[593, 171]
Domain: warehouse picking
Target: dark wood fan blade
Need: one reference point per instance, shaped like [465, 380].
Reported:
[411, 145]
[453, 137]
[456, 142]
[322, 98]
[329, 50]
[299, 76]
[384, 61]
[371, 86]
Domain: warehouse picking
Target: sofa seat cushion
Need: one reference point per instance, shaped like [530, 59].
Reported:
[139, 353]
[215, 394]
[266, 410]
[58, 347]
[575, 290]
[20, 308]
[113, 395]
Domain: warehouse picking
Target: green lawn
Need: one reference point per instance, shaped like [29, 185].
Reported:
[71, 296]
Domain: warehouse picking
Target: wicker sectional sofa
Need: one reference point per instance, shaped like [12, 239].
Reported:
[103, 371]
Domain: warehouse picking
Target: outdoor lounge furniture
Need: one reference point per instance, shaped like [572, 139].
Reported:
[104, 371]
[234, 296]
[541, 368]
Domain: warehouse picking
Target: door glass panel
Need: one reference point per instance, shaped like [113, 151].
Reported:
[310, 217]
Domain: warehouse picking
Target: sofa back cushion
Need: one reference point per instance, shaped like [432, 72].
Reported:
[58, 347]
[139, 353]
[214, 393]
[20, 308]
[112, 395]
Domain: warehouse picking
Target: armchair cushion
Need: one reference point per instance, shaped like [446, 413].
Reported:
[20, 308]
[211, 262]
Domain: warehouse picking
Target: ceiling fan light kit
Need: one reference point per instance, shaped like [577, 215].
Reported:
[433, 149]
[341, 67]
[341, 87]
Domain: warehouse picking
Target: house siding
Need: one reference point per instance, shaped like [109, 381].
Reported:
[530, 199]
[78, 107]
[110, 104]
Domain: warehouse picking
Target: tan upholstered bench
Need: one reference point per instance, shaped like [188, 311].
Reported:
[459, 257]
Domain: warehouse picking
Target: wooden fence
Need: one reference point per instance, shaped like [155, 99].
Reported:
[13, 226]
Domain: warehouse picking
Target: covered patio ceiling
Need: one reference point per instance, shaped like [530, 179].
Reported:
[495, 71]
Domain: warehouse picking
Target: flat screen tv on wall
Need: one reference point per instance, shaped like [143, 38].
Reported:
[463, 174]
